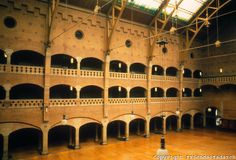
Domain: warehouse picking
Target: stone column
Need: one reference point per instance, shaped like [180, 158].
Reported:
[104, 134]
[138, 127]
[77, 138]
[106, 85]
[78, 65]
[192, 122]
[70, 137]
[45, 143]
[147, 128]
[5, 147]
[118, 130]
[164, 125]
[96, 133]
[8, 53]
[179, 124]
[127, 131]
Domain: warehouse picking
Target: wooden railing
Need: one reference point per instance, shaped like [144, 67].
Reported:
[64, 72]
[27, 69]
[89, 73]
[63, 102]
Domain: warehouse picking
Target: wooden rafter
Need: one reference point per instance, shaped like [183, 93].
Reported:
[112, 23]
[202, 19]
[163, 20]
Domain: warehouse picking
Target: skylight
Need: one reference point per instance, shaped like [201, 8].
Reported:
[186, 9]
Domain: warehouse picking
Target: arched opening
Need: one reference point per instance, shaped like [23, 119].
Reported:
[171, 123]
[197, 74]
[209, 90]
[157, 92]
[91, 64]
[117, 92]
[2, 93]
[23, 140]
[137, 92]
[228, 88]
[118, 66]
[198, 120]
[156, 125]
[187, 92]
[62, 91]
[61, 136]
[63, 61]
[90, 132]
[27, 58]
[172, 92]
[137, 68]
[171, 71]
[26, 91]
[91, 92]
[212, 113]
[3, 57]
[116, 129]
[198, 92]
[157, 70]
[187, 73]
[137, 127]
[186, 121]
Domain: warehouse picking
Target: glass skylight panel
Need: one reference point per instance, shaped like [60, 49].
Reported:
[191, 5]
[147, 4]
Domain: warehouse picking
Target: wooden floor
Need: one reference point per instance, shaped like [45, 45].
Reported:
[187, 142]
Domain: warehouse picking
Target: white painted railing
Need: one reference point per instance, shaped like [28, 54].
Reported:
[138, 76]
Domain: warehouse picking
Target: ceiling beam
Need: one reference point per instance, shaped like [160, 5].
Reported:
[202, 19]
[158, 13]
[116, 12]
[164, 21]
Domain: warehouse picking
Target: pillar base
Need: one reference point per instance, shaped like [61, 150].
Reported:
[44, 153]
[103, 143]
[146, 135]
[77, 147]
[5, 158]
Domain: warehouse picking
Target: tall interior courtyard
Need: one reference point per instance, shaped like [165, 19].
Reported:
[117, 79]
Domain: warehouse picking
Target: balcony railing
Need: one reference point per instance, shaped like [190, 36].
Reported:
[64, 72]
[27, 69]
[118, 100]
[119, 75]
[138, 76]
[63, 102]
[91, 101]
[2, 67]
[94, 74]
[223, 79]
[138, 100]
[22, 103]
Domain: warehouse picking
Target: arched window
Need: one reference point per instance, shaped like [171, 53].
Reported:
[157, 92]
[172, 92]
[118, 66]
[157, 70]
[187, 92]
[187, 73]
[91, 64]
[171, 71]
[137, 92]
[2, 93]
[27, 58]
[62, 92]
[26, 91]
[197, 74]
[117, 92]
[91, 92]
[137, 68]
[63, 61]
[3, 57]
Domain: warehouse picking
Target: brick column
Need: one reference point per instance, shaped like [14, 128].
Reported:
[5, 147]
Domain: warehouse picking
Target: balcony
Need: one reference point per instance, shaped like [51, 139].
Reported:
[22, 103]
[64, 72]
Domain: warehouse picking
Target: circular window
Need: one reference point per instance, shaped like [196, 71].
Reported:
[10, 22]
[79, 34]
[128, 43]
